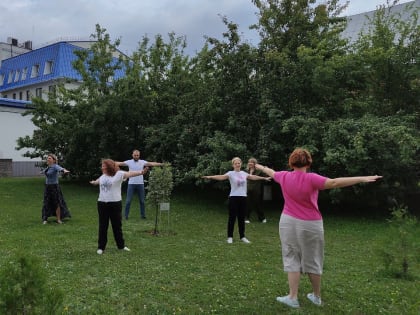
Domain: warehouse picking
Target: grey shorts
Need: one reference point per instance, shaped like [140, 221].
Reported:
[302, 245]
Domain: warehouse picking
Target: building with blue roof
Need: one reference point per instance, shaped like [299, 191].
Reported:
[36, 73]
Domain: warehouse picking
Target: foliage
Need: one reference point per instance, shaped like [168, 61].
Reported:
[160, 185]
[24, 288]
[370, 145]
[400, 250]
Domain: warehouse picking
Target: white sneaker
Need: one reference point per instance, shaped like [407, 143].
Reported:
[99, 251]
[245, 240]
[44, 222]
[264, 221]
[288, 301]
[126, 249]
[230, 240]
[247, 221]
[314, 299]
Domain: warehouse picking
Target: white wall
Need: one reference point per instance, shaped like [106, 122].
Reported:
[12, 126]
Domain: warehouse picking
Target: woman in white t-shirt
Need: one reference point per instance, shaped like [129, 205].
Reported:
[109, 203]
[237, 197]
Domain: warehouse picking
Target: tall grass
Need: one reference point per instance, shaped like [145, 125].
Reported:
[192, 270]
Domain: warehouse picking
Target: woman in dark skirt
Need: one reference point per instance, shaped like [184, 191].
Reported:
[54, 203]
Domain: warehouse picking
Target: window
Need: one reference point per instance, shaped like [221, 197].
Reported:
[52, 89]
[10, 79]
[14, 96]
[21, 95]
[38, 92]
[17, 75]
[48, 67]
[24, 73]
[28, 95]
[35, 71]
[1, 79]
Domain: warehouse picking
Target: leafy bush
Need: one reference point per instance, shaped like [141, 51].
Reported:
[398, 247]
[160, 185]
[24, 288]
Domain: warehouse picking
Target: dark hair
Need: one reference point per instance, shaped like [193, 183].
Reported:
[110, 167]
[300, 158]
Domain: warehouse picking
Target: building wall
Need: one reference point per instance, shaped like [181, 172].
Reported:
[5, 167]
[8, 50]
[21, 93]
[12, 126]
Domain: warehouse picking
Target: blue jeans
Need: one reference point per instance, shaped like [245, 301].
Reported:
[131, 189]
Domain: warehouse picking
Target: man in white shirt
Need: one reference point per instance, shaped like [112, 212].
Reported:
[136, 183]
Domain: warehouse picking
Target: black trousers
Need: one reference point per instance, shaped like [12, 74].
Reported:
[237, 209]
[110, 211]
[254, 199]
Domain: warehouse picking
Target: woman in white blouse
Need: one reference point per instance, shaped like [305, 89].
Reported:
[109, 203]
[237, 197]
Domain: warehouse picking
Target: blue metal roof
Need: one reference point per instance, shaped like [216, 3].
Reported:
[58, 56]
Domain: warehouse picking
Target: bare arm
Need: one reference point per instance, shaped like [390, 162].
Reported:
[265, 169]
[154, 164]
[120, 163]
[216, 177]
[256, 177]
[349, 181]
[95, 182]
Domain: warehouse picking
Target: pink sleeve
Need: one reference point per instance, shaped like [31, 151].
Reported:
[277, 176]
[318, 181]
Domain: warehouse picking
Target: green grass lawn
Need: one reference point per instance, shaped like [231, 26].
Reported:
[191, 269]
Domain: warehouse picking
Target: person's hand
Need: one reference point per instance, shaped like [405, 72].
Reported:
[373, 178]
[268, 179]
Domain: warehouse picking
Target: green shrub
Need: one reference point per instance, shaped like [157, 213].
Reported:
[398, 247]
[24, 288]
[160, 185]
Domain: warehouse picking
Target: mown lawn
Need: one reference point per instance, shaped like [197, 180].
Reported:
[189, 268]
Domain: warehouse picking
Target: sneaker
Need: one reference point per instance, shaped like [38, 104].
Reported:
[245, 240]
[126, 249]
[288, 301]
[264, 221]
[314, 299]
[99, 251]
[59, 222]
[247, 221]
[45, 222]
[143, 217]
[230, 240]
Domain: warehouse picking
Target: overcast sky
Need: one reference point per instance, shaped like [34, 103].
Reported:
[46, 21]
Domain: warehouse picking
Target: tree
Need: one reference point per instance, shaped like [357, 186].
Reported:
[74, 123]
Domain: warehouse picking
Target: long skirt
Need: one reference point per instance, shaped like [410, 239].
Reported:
[53, 198]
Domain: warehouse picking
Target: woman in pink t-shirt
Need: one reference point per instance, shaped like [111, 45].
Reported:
[301, 227]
